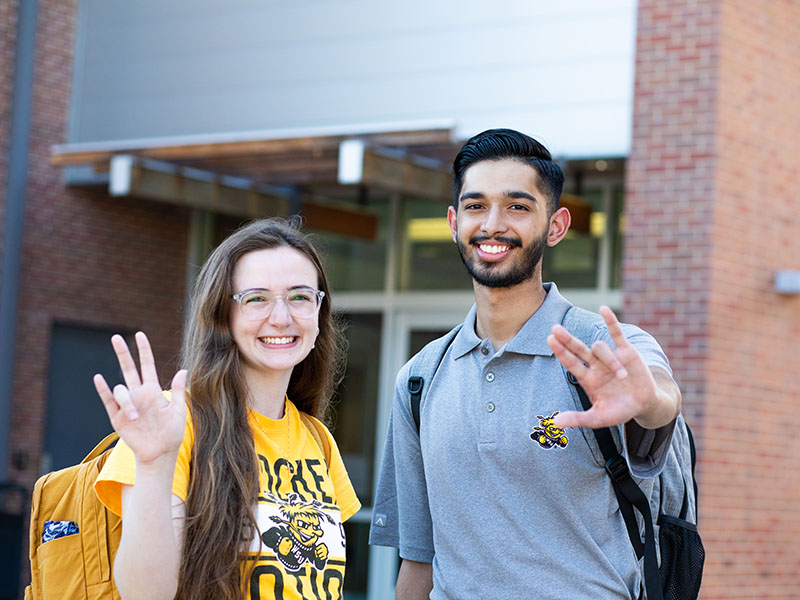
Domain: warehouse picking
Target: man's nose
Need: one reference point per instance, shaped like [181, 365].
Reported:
[493, 223]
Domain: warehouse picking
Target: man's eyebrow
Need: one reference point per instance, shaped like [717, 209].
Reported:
[472, 196]
[519, 194]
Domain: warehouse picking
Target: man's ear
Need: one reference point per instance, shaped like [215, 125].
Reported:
[559, 225]
[451, 220]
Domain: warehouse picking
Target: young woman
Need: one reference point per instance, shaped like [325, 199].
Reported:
[244, 494]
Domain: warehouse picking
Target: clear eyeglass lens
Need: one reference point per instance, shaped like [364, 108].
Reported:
[259, 304]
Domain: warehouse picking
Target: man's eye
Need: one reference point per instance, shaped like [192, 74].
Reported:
[473, 206]
[519, 207]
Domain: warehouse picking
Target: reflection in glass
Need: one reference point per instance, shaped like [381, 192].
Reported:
[428, 257]
[573, 263]
[356, 264]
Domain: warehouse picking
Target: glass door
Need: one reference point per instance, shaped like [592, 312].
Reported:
[408, 330]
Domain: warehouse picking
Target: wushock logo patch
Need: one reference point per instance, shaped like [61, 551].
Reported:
[548, 435]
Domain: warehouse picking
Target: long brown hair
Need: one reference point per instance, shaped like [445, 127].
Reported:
[223, 484]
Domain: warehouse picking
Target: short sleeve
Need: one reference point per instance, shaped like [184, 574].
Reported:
[346, 497]
[120, 469]
[402, 520]
[645, 449]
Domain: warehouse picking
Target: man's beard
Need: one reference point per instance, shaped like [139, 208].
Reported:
[492, 274]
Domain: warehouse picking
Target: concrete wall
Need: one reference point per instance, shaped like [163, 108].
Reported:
[561, 71]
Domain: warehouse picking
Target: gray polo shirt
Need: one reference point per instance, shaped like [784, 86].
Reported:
[501, 508]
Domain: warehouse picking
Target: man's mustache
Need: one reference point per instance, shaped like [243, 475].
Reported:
[513, 242]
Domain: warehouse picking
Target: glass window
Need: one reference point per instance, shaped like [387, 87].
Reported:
[355, 407]
[574, 262]
[428, 257]
[356, 573]
[356, 264]
[616, 232]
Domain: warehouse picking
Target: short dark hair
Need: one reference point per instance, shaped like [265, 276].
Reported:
[497, 144]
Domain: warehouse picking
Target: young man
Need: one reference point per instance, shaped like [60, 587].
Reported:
[502, 492]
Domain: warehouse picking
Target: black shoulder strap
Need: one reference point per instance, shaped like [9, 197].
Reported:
[629, 495]
[424, 365]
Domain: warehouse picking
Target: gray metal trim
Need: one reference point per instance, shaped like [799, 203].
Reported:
[15, 212]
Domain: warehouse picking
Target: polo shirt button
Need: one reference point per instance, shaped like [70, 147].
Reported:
[484, 351]
[490, 377]
[490, 406]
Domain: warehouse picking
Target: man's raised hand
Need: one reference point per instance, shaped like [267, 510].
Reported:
[618, 382]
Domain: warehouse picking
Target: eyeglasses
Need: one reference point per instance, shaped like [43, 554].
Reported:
[257, 304]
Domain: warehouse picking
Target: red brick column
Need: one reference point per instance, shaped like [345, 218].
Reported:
[712, 212]
[87, 259]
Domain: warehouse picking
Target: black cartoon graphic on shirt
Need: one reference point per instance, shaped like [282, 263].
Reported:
[295, 538]
[548, 435]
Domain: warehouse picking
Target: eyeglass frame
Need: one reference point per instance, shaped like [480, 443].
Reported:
[320, 294]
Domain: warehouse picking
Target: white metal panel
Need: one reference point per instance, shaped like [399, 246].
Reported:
[561, 71]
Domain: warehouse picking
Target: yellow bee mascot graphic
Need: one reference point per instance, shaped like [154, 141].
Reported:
[548, 435]
[295, 538]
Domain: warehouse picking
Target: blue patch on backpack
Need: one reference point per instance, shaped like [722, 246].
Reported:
[57, 529]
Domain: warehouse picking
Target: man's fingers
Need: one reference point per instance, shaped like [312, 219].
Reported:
[146, 359]
[614, 327]
[605, 355]
[111, 406]
[126, 363]
[123, 398]
[592, 418]
[571, 362]
[567, 419]
[573, 344]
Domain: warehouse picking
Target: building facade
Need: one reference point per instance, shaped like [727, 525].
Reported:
[156, 128]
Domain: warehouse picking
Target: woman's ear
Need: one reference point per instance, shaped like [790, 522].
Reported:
[559, 225]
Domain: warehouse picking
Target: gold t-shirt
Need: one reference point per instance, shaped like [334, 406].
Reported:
[300, 510]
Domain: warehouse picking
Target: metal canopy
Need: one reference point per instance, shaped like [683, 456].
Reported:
[288, 157]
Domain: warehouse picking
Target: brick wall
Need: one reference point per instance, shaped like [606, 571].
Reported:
[86, 259]
[712, 213]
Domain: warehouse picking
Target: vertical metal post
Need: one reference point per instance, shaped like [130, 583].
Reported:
[15, 212]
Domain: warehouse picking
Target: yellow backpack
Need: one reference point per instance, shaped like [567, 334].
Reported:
[83, 535]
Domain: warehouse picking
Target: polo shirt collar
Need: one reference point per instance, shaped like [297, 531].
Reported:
[531, 339]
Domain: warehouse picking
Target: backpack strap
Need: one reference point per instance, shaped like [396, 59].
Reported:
[102, 446]
[424, 366]
[318, 433]
[581, 324]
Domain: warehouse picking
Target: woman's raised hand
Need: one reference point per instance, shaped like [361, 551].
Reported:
[147, 422]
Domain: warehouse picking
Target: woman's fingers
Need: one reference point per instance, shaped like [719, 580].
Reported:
[111, 406]
[126, 363]
[123, 398]
[179, 392]
[146, 359]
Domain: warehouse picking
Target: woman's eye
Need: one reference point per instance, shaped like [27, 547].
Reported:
[300, 297]
[255, 299]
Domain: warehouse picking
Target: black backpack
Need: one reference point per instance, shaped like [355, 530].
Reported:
[673, 533]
